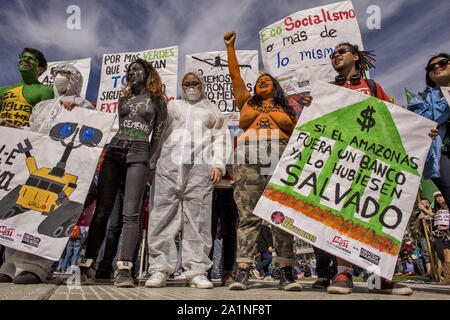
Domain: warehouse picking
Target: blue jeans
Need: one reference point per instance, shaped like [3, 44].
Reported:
[266, 259]
[73, 249]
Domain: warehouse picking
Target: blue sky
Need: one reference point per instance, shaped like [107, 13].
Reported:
[411, 32]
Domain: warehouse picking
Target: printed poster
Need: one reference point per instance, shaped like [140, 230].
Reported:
[303, 41]
[84, 65]
[113, 73]
[213, 66]
[349, 177]
[44, 180]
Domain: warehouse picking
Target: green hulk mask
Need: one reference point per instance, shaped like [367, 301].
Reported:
[17, 100]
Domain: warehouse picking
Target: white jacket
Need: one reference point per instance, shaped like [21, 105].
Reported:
[196, 134]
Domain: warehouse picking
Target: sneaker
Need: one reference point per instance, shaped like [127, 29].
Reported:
[122, 276]
[157, 280]
[341, 284]
[26, 278]
[227, 278]
[201, 282]
[257, 274]
[87, 271]
[5, 278]
[287, 281]
[180, 276]
[321, 283]
[241, 280]
[390, 287]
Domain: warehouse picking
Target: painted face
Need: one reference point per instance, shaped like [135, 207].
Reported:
[28, 63]
[439, 74]
[264, 86]
[136, 75]
[343, 58]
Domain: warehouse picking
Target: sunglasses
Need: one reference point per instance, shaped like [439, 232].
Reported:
[341, 51]
[191, 84]
[440, 63]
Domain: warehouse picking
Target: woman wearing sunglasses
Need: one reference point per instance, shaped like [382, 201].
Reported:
[432, 105]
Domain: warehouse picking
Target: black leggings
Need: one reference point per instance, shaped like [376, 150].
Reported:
[129, 164]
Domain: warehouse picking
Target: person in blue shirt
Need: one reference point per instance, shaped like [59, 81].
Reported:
[432, 104]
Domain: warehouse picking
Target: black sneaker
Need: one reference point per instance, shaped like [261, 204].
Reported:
[321, 283]
[26, 278]
[390, 287]
[341, 284]
[122, 276]
[87, 272]
[5, 278]
[287, 280]
[241, 280]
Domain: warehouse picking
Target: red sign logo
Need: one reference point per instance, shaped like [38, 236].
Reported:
[340, 242]
[6, 231]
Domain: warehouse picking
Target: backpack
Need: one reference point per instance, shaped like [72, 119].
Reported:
[372, 86]
[76, 232]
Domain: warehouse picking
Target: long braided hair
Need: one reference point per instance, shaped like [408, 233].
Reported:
[366, 58]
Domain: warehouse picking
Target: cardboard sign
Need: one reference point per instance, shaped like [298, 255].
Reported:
[348, 179]
[213, 66]
[44, 180]
[114, 68]
[303, 41]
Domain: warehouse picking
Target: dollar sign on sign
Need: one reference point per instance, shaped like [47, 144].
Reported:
[367, 120]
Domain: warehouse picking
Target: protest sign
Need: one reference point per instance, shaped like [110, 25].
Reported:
[303, 41]
[44, 180]
[213, 66]
[84, 65]
[113, 73]
[348, 179]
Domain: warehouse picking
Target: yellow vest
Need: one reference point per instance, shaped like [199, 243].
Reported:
[16, 108]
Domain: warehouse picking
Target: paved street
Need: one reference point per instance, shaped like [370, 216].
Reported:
[178, 290]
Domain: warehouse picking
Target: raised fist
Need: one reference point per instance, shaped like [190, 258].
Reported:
[229, 38]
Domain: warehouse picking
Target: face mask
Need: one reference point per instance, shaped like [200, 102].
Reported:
[61, 83]
[192, 94]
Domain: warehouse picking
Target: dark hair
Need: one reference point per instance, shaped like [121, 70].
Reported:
[366, 58]
[153, 81]
[279, 97]
[430, 83]
[42, 62]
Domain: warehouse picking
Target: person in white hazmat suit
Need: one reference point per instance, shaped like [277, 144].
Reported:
[22, 267]
[196, 146]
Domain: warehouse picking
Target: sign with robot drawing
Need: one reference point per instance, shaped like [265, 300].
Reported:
[213, 67]
[348, 179]
[44, 180]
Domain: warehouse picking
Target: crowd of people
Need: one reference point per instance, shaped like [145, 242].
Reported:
[188, 200]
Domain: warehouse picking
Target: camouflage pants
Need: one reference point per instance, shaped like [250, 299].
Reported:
[249, 182]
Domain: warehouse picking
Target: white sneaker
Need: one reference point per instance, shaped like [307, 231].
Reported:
[157, 280]
[201, 281]
[181, 276]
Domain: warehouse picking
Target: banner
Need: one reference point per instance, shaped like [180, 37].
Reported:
[302, 42]
[113, 72]
[348, 179]
[213, 66]
[44, 180]
[84, 65]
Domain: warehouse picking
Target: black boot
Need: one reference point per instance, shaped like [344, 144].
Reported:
[287, 281]
[241, 280]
